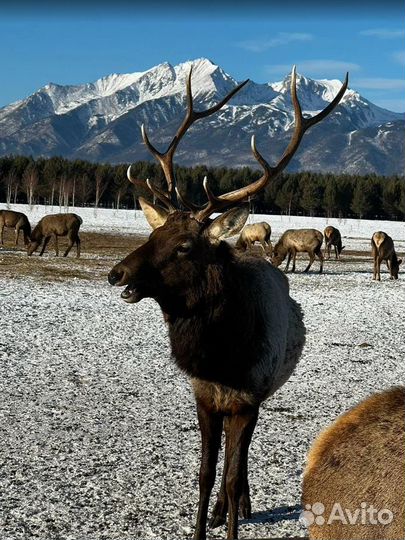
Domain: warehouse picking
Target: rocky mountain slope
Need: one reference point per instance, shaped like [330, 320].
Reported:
[101, 121]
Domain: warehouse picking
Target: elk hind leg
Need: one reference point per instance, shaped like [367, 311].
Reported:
[72, 240]
[288, 262]
[311, 260]
[211, 430]
[241, 429]
[17, 234]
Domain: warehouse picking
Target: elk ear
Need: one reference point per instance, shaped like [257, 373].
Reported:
[229, 223]
[155, 216]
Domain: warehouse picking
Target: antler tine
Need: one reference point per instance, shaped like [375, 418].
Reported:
[163, 198]
[156, 191]
[301, 126]
[166, 158]
[187, 204]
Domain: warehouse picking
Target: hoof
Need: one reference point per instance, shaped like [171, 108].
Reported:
[216, 521]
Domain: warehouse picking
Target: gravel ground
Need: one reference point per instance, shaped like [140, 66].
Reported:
[98, 427]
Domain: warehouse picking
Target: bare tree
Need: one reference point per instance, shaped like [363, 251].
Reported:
[101, 185]
[30, 182]
[83, 188]
[9, 181]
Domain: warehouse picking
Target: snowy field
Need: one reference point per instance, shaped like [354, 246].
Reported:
[98, 427]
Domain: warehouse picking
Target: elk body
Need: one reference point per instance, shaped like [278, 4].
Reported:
[256, 232]
[233, 327]
[295, 241]
[360, 460]
[382, 248]
[333, 238]
[56, 225]
[17, 221]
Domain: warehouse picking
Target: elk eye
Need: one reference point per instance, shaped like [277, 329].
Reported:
[185, 247]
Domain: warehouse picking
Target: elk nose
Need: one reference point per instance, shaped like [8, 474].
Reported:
[115, 276]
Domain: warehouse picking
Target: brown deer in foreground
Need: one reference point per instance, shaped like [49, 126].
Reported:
[295, 241]
[256, 232]
[232, 325]
[16, 220]
[382, 249]
[56, 225]
[333, 238]
[359, 463]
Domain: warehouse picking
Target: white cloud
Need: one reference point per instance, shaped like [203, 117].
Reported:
[324, 67]
[282, 38]
[378, 83]
[383, 33]
[399, 57]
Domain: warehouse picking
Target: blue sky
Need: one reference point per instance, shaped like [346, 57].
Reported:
[85, 41]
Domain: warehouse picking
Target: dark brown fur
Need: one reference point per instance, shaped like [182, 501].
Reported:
[17, 221]
[56, 225]
[382, 249]
[359, 459]
[333, 238]
[233, 329]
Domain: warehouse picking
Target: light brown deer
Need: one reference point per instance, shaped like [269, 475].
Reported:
[382, 249]
[356, 473]
[256, 232]
[56, 225]
[295, 241]
[17, 221]
[232, 325]
[333, 238]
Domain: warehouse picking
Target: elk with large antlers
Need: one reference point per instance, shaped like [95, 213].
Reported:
[233, 327]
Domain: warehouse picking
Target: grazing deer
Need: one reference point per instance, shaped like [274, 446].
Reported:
[257, 232]
[232, 325]
[333, 238]
[295, 241]
[16, 220]
[56, 225]
[356, 473]
[382, 249]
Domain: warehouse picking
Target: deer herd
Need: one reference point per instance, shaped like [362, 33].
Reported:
[209, 292]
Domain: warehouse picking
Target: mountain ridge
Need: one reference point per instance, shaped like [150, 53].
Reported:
[105, 117]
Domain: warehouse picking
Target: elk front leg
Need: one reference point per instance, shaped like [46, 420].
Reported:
[17, 234]
[46, 242]
[241, 429]
[56, 245]
[1, 234]
[327, 251]
[221, 506]
[72, 240]
[211, 430]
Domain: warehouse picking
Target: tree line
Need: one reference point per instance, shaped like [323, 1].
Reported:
[59, 181]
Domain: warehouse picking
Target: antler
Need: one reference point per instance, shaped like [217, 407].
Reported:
[301, 125]
[166, 158]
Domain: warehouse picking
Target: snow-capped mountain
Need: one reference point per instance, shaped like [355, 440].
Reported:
[100, 121]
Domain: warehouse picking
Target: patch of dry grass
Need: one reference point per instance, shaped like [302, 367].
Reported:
[99, 252]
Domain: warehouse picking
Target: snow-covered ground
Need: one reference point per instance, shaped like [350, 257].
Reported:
[356, 233]
[98, 427]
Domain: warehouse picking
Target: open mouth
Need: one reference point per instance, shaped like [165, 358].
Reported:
[131, 294]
